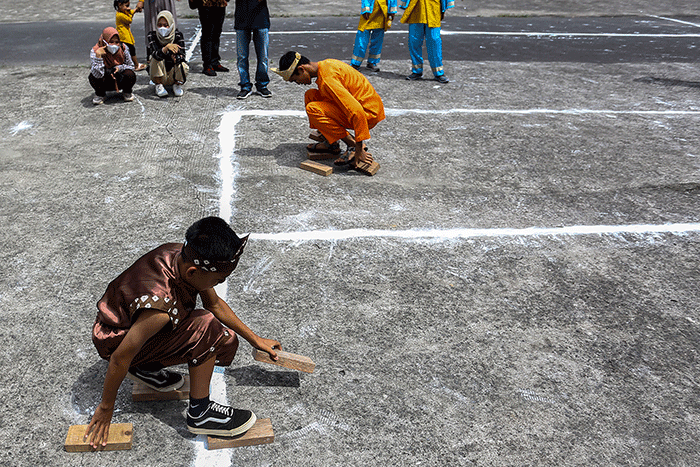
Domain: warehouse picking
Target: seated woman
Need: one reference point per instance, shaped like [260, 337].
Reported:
[167, 48]
[112, 68]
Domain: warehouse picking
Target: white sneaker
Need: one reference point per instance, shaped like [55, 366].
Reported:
[97, 100]
[128, 97]
[177, 90]
[161, 91]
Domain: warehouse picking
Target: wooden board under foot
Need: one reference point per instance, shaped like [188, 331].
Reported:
[142, 393]
[316, 167]
[316, 156]
[287, 360]
[120, 438]
[260, 433]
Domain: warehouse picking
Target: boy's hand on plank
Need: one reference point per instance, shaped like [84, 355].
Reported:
[99, 425]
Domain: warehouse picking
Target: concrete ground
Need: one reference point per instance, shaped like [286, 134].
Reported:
[516, 286]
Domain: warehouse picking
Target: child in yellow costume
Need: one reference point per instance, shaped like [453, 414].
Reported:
[376, 18]
[123, 19]
[424, 19]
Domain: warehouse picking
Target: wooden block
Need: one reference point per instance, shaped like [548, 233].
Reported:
[368, 169]
[120, 438]
[316, 167]
[260, 433]
[287, 360]
[142, 393]
[315, 156]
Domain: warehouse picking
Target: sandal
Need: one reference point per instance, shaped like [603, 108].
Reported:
[317, 136]
[345, 158]
[332, 149]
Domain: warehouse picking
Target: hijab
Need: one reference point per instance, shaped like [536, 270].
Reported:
[110, 60]
[163, 40]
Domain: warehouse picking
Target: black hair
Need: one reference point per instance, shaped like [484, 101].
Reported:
[287, 59]
[213, 239]
[119, 2]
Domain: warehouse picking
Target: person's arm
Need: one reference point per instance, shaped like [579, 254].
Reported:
[155, 47]
[97, 64]
[128, 61]
[145, 327]
[219, 308]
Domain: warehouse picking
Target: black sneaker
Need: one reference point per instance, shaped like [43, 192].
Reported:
[264, 92]
[372, 67]
[221, 420]
[442, 79]
[161, 380]
[414, 76]
[244, 93]
[209, 71]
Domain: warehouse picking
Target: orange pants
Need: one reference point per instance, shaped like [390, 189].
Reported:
[328, 118]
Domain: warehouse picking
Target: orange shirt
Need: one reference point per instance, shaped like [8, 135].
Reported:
[351, 92]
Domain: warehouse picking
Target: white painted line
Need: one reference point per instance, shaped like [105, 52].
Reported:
[193, 43]
[456, 234]
[675, 20]
[497, 34]
[398, 112]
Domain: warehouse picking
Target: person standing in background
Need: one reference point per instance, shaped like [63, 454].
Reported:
[252, 20]
[211, 16]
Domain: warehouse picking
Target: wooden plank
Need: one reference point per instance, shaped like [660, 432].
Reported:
[142, 393]
[316, 156]
[287, 360]
[316, 167]
[120, 438]
[369, 169]
[260, 433]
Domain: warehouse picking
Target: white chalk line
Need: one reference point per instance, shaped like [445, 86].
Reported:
[536, 34]
[675, 20]
[472, 233]
[193, 43]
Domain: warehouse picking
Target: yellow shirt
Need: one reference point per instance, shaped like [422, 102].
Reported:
[423, 11]
[377, 19]
[124, 26]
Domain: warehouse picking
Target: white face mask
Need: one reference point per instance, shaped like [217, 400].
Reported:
[163, 31]
[112, 48]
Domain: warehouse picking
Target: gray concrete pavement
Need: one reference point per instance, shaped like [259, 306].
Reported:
[444, 331]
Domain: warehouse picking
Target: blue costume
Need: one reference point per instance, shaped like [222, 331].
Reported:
[370, 31]
[424, 21]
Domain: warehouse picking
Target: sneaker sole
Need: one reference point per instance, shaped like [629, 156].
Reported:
[263, 95]
[244, 97]
[172, 387]
[228, 433]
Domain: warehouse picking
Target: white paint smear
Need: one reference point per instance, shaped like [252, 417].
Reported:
[23, 125]
[453, 234]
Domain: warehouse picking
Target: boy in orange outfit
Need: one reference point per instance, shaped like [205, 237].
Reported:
[344, 100]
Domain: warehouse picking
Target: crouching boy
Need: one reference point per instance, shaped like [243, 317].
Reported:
[345, 100]
[147, 321]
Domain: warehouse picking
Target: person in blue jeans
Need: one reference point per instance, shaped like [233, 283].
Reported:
[252, 21]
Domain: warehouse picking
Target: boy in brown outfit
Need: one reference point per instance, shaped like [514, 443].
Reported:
[147, 321]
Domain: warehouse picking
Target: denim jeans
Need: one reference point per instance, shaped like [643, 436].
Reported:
[261, 42]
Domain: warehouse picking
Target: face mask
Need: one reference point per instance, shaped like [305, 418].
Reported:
[112, 48]
[163, 31]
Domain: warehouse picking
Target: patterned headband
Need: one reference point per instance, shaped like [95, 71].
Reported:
[209, 265]
[287, 74]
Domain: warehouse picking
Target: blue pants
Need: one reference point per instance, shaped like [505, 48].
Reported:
[261, 42]
[416, 33]
[375, 39]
